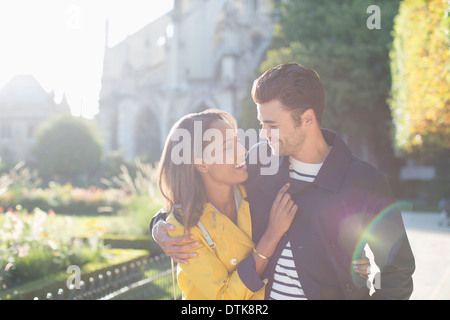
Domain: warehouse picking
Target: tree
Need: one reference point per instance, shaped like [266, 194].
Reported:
[248, 117]
[68, 148]
[421, 76]
[352, 60]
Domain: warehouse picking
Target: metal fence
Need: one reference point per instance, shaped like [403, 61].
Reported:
[148, 278]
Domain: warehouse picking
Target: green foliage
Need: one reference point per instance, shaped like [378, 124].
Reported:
[64, 199]
[421, 76]
[3, 166]
[248, 118]
[35, 245]
[22, 176]
[68, 149]
[352, 61]
[5, 182]
[143, 181]
[112, 163]
[140, 209]
[5, 179]
[145, 199]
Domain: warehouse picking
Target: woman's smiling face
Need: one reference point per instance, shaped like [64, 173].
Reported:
[224, 158]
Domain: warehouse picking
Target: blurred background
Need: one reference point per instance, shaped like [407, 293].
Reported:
[90, 89]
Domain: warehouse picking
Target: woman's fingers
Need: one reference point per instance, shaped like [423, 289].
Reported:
[284, 202]
[281, 194]
[293, 210]
[175, 247]
[179, 252]
[180, 248]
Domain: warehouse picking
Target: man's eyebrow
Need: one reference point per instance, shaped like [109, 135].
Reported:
[267, 121]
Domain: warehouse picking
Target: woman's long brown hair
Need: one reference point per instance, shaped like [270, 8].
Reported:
[181, 184]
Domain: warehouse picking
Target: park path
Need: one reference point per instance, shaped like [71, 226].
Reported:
[430, 244]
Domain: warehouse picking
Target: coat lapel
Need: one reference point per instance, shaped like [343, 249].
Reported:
[262, 191]
[271, 184]
[224, 227]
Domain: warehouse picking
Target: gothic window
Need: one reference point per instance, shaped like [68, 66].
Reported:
[227, 68]
[255, 5]
[31, 130]
[252, 7]
[169, 30]
[161, 41]
[5, 131]
[257, 39]
[6, 154]
[147, 135]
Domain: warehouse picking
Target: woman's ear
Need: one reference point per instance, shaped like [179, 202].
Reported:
[202, 167]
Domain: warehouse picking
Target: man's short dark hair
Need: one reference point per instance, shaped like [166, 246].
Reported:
[295, 86]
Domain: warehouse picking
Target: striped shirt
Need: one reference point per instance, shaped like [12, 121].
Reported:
[303, 171]
[286, 282]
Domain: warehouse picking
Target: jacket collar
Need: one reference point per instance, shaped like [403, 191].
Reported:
[330, 176]
[334, 168]
[219, 224]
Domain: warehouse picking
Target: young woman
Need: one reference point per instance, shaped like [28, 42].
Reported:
[204, 195]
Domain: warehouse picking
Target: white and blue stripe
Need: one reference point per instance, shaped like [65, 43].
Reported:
[286, 284]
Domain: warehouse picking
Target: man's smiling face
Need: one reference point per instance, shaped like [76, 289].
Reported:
[284, 135]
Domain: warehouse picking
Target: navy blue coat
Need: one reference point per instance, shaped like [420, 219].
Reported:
[348, 205]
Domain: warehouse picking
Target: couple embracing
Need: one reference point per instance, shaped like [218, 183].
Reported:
[299, 230]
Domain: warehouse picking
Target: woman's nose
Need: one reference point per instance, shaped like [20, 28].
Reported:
[240, 152]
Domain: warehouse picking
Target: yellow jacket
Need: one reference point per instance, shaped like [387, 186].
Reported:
[214, 275]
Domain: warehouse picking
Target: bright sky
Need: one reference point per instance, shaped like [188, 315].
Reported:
[61, 42]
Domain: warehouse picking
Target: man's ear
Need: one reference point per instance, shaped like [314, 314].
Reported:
[309, 117]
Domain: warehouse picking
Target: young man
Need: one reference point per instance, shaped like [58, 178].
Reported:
[344, 203]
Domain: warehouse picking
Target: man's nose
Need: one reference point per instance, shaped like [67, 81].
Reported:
[264, 133]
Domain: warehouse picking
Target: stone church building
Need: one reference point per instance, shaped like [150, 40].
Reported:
[200, 55]
[24, 107]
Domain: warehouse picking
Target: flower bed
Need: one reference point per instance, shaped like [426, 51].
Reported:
[64, 199]
[35, 245]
